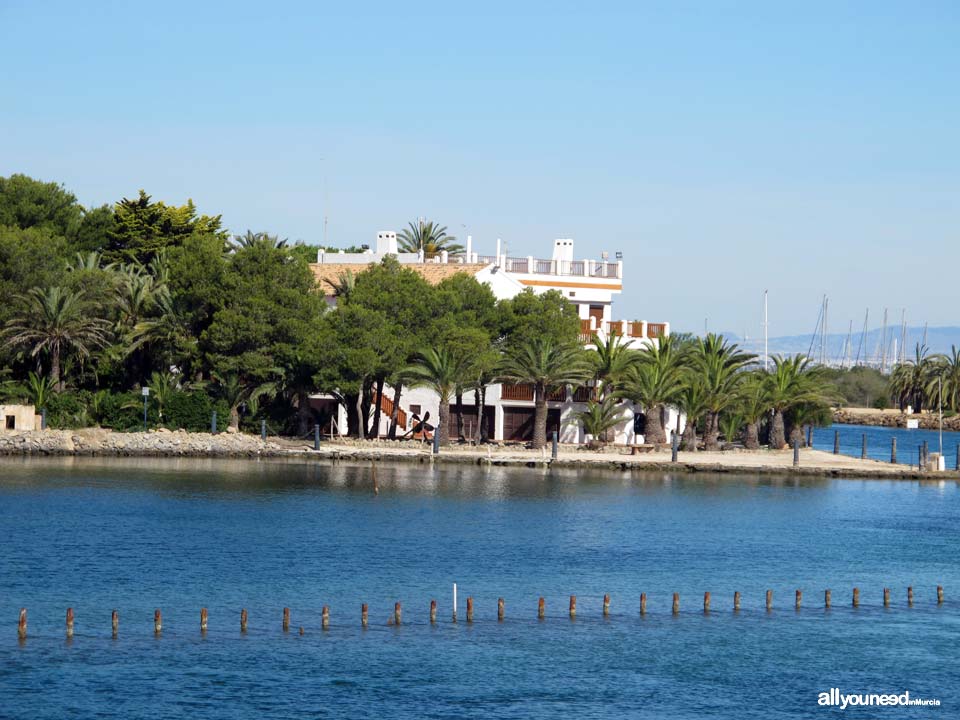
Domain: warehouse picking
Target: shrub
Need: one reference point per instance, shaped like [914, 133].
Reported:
[192, 411]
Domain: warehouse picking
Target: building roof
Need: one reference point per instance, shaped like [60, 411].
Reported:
[434, 273]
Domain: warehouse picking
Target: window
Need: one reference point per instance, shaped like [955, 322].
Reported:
[415, 409]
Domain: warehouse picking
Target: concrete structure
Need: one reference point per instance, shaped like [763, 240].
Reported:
[18, 417]
[508, 413]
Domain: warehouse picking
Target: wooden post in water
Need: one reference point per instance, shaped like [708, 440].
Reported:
[541, 609]
[910, 596]
[643, 603]
[363, 616]
[325, 618]
[886, 597]
[736, 601]
[203, 620]
[243, 620]
[856, 597]
[500, 610]
[799, 599]
[606, 605]
[706, 602]
[939, 594]
[958, 456]
[893, 450]
[470, 609]
[836, 442]
[826, 599]
[22, 624]
[926, 454]
[301, 629]
[69, 623]
[397, 613]
[769, 600]
[573, 606]
[157, 622]
[286, 619]
[114, 623]
[863, 448]
[676, 604]
[433, 612]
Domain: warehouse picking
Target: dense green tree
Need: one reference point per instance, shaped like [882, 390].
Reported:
[547, 316]
[28, 203]
[28, 258]
[793, 381]
[143, 227]
[909, 380]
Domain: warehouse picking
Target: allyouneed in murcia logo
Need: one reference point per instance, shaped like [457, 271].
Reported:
[834, 698]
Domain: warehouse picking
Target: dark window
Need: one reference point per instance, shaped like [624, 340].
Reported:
[11, 422]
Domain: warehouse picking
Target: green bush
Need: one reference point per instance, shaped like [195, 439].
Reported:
[118, 411]
[192, 411]
[68, 410]
[881, 403]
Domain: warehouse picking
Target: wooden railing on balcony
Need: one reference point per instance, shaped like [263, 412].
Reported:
[516, 392]
[584, 393]
[615, 328]
[635, 329]
[655, 330]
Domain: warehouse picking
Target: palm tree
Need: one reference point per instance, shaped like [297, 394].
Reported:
[692, 401]
[947, 367]
[88, 261]
[600, 417]
[792, 382]
[654, 381]
[441, 371]
[612, 359]
[251, 240]
[236, 391]
[55, 322]
[546, 365]
[719, 364]
[910, 380]
[162, 385]
[344, 284]
[428, 237]
[753, 404]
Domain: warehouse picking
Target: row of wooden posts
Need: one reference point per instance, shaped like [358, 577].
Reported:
[397, 617]
[923, 449]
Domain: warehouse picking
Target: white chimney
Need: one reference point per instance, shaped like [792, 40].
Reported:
[386, 242]
[563, 250]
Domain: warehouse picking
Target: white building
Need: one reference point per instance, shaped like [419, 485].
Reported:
[508, 409]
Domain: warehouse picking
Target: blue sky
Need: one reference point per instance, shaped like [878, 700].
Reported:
[723, 147]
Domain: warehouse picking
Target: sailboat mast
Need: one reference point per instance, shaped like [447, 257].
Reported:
[883, 344]
[863, 337]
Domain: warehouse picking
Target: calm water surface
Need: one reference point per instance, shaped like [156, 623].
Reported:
[879, 445]
[179, 535]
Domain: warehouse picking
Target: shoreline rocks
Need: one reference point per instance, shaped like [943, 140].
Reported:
[154, 443]
[859, 416]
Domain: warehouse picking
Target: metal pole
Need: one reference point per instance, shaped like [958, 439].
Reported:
[674, 447]
[863, 450]
[436, 440]
[144, 413]
[316, 437]
[836, 442]
[43, 419]
[796, 452]
[893, 450]
[454, 602]
[263, 430]
[940, 409]
[553, 453]
[213, 423]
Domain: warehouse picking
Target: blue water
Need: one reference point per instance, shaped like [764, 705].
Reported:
[178, 535]
[879, 445]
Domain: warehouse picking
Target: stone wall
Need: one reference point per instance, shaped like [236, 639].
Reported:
[160, 442]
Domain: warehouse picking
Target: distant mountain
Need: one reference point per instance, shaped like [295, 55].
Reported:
[939, 340]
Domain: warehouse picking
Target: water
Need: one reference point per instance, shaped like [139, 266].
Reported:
[178, 535]
[878, 442]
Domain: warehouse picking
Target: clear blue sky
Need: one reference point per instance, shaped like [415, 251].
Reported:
[724, 147]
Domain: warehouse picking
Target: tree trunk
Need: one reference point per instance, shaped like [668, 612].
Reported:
[395, 412]
[778, 436]
[375, 429]
[481, 405]
[711, 435]
[751, 436]
[361, 420]
[55, 370]
[688, 441]
[653, 431]
[443, 421]
[234, 418]
[459, 415]
[304, 412]
[796, 435]
[539, 416]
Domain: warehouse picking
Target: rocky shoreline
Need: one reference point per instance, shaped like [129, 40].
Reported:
[880, 418]
[154, 443]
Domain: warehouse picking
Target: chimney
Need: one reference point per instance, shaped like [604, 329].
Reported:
[386, 243]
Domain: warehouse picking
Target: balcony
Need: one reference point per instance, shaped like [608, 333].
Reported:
[524, 392]
[565, 268]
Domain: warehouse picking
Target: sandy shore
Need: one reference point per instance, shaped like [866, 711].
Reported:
[104, 443]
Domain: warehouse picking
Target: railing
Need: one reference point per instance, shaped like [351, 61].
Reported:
[543, 267]
[584, 394]
[525, 393]
[386, 407]
[516, 392]
[576, 268]
[517, 265]
[486, 259]
[655, 330]
[635, 329]
[615, 328]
